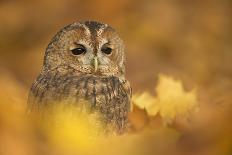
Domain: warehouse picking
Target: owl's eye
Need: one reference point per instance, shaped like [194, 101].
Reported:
[106, 50]
[80, 49]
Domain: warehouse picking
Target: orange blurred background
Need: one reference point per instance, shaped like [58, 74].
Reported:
[186, 39]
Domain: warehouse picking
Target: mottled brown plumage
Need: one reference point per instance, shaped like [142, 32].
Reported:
[85, 61]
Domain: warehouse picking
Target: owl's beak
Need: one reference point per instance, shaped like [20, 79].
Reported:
[95, 63]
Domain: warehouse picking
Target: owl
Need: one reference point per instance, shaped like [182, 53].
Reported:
[85, 61]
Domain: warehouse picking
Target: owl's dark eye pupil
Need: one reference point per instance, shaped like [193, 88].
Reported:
[78, 51]
[106, 50]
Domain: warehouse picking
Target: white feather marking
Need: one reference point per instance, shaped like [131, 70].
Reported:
[87, 31]
[99, 32]
[84, 42]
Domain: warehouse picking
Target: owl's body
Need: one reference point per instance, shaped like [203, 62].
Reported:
[85, 61]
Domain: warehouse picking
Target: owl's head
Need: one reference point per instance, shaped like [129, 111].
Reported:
[88, 48]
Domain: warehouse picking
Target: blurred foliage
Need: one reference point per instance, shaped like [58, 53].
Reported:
[181, 39]
[172, 101]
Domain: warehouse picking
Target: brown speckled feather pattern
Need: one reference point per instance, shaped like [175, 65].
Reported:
[110, 96]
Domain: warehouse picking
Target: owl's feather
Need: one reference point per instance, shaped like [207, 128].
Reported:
[110, 96]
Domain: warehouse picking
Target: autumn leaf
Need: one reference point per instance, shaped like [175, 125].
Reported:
[172, 100]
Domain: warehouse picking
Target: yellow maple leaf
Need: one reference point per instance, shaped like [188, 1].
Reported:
[172, 100]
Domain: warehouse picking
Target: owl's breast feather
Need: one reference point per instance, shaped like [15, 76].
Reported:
[108, 95]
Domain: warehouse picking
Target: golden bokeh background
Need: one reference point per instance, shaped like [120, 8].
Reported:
[184, 39]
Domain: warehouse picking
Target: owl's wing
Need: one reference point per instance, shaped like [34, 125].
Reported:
[48, 89]
[128, 89]
[37, 93]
